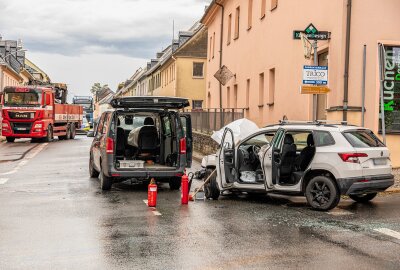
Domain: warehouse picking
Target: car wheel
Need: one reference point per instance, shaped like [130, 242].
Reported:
[10, 139]
[105, 182]
[322, 193]
[49, 136]
[92, 171]
[211, 189]
[72, 132]
[175, 183]
[363, 198]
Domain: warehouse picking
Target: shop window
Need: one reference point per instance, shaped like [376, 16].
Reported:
[198, 70]
[237, 22]
[274, 4]
[250, 14]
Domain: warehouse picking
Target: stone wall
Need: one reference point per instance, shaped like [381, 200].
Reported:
[202, 143]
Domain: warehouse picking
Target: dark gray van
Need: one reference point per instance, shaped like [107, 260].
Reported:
[141, 138]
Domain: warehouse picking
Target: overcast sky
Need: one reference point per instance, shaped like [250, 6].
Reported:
[81, 42]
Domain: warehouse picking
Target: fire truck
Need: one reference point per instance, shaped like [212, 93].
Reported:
[39, 112]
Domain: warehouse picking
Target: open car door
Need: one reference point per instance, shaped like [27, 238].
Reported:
[186, 121]
[226, 159]
[271, 161]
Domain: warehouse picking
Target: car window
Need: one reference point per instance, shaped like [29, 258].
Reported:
[167, 126]
[130, 122]
[260, 139]
[105, 124]
[362, 139]
[323, 138]
[100, 125]
[300, 138]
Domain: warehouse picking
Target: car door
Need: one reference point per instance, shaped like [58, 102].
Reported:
[96, 142]
[226, 159]
[186, 121]
[271, 159]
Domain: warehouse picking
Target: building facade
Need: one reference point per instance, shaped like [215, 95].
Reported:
[257, 44]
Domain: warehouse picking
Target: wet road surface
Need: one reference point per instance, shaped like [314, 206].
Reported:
[53, 216]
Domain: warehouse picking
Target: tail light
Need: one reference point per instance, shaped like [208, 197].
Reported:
[182, 146]
[110, 146]
[352, 157]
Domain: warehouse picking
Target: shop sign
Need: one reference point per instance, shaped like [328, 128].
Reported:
[391, 87]
[315, 75]
[312, 33]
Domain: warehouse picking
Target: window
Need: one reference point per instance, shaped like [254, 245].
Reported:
[261, 90]
[235, 95]
[271, 90]
[260, 140]
[211, 49]
[198, 70]
[274, 4]
[248, 93]
[263, 7]
[250, 14]
[167, 126]
[323, 138]
[237, 23]
[300, 139]
[197, 104]
[362, 139]
[228, 97]
[213, 46]
[229, 28]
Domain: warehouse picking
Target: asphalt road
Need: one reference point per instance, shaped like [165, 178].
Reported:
[53, 216]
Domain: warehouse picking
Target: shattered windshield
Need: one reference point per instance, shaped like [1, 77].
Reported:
[27, 98]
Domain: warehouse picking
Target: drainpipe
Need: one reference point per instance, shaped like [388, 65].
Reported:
[220, 59]
[346, 63]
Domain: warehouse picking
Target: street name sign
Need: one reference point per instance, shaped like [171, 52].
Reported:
[314, 90]
[315, 75]
[312, 33]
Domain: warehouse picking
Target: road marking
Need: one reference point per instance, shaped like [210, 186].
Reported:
[28, 157]
[388, 232]
[339, 212]
[153, 209]
[3, 181]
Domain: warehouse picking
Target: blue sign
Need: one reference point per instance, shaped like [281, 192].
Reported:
[315, 75]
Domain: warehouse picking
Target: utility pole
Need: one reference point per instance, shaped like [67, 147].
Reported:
[315, 97]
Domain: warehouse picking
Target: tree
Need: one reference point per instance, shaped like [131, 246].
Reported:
[95, 88]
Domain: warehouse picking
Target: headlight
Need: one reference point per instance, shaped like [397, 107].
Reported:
[38, 126]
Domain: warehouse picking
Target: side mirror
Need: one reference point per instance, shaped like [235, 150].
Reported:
[90, 134]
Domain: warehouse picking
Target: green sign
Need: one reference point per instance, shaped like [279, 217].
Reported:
[391, 88]
[312, 33]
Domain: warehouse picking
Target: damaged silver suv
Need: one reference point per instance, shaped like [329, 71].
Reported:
[316, 160]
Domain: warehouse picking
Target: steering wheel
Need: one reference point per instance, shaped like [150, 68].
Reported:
[256, 149]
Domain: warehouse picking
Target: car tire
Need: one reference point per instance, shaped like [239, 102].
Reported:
[175, 183]
[10, 139]
[49, 136]
[92, 171]
[363, 198]
[72, 132]
[105, 182]
[211, 189]
[322, 193]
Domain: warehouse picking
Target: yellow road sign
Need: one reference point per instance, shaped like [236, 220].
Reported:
[314, 89]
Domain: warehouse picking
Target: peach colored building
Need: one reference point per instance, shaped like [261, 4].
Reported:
[259, 48]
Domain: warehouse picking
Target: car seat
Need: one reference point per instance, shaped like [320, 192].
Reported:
[148, 138]
[288, 156]
[120, 146]
[306, 155]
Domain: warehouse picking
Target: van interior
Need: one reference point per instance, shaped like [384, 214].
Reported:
[291, 158]
[145, 140]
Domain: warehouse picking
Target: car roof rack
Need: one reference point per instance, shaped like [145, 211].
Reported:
[329, 123]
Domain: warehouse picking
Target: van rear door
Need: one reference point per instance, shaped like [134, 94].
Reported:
[186, 121]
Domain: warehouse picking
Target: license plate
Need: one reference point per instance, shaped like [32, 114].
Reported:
[21, 128]
[380, 161]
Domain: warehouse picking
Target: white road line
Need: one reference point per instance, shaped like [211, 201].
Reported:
[388, 232]
[3, 181]
[153, 209]
[28, 157]
[339, 212]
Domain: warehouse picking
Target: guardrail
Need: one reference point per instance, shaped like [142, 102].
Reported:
[208, 120]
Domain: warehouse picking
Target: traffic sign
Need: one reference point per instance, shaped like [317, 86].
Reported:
[223, 75]
[315, 75]
[314, 90]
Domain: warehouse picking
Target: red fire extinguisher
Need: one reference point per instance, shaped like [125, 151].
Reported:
[185, 189]
[152, 194]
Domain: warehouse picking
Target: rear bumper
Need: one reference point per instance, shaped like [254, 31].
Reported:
[160, 175]
[368, 184]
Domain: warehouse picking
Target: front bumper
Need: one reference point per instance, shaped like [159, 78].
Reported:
[368, 184]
